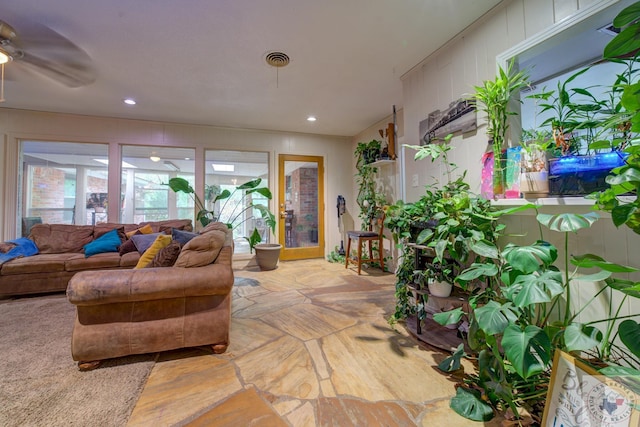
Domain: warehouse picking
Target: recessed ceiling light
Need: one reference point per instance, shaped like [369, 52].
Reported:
[154, 158]
[130, 101]
[222, 168]
[311, 119]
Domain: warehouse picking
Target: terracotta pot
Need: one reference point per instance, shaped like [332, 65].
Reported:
[267, 255]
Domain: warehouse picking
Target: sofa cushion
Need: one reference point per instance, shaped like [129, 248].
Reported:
[130, 259]
[168, 224]
[144, 241]
[201, 250]
[146, 229]
[41, 263]
[79, 262]
[61, 238]
[108, 242]
[167, 256]
[128, 246]
[102, 229]
[161, 241]
[181, 236]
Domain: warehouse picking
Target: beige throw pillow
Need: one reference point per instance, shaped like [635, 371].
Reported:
[201, 250]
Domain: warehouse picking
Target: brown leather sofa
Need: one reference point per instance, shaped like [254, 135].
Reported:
[61, 256]
[156, 309]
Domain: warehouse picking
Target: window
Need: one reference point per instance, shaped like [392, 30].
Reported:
[64, 182]
[145, 173]
[225, 170]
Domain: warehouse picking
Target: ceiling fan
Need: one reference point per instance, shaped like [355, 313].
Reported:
[47, 52]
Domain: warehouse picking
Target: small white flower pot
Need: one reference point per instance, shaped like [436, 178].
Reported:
[439, 289]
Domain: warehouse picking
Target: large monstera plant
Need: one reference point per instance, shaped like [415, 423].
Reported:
[529, 315]
[234, 216]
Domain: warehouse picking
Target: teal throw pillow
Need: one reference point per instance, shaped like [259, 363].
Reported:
[181, 236]
[108, 242]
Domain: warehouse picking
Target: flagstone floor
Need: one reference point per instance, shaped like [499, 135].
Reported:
[310, 346]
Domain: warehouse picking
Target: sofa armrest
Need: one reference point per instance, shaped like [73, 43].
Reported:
[107, 287]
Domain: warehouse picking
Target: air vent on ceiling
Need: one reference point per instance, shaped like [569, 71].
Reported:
[610, 30]
[277, 59]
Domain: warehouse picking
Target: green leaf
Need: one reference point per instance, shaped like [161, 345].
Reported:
[486, 249]
[180, 184]
[629, 332]
[591, 260]
[264, 191]
[223, 195]
[424, 236]
[622, 213]
[631, 96]
[449, 317]
[627, 41]
[469, 404]
[529, 351]
[579, 337]
[625, 286]
[628, 175]
[452, 363]
[250, 184]
[527, 259]
[565, 222]
[493, 318]
[477, 270]
[627, 15]
[536, 289]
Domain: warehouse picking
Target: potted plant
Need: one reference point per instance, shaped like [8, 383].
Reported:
[534, 175]
[368, 152]
[493, 98]
[526, 314]
[232, 216]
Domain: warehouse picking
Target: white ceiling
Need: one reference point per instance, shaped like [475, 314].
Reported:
[202, 61]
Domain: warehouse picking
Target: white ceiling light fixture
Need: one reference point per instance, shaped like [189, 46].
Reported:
[154, 158]
[223, 168]
[311, 119]
[130, 101]
[4, 58]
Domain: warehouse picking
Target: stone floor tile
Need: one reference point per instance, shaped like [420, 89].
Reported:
[304, 416]
[243, 409]
[183, 383]
[307, 321]
[247, 335]
[282, 367]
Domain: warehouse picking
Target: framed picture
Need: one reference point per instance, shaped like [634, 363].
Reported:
[579, 396]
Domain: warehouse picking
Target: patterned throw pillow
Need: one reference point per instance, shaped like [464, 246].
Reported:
[167, 256]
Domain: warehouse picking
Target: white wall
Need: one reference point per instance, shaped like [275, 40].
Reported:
[16, 125]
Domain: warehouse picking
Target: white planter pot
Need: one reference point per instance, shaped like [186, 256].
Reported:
[267, 255]
[439, 289]
[534, 184]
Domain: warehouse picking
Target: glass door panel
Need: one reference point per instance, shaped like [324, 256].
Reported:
[301, 206]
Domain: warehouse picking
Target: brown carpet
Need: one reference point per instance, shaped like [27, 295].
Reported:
[40, 384]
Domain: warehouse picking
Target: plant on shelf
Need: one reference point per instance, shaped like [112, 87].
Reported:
[493, 98]
[233, 216]
[625, 180]
[534, 169]
[529, 315]
[367, 152]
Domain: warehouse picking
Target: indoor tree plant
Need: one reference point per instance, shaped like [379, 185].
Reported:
[493, 98]
[233, 217]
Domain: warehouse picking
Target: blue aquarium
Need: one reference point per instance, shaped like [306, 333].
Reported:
[582, 175]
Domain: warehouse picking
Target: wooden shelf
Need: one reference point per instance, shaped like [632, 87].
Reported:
[382, 162]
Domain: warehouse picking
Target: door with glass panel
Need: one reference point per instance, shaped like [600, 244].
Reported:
[301, 206]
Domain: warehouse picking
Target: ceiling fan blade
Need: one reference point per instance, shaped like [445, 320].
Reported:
[71, 75]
